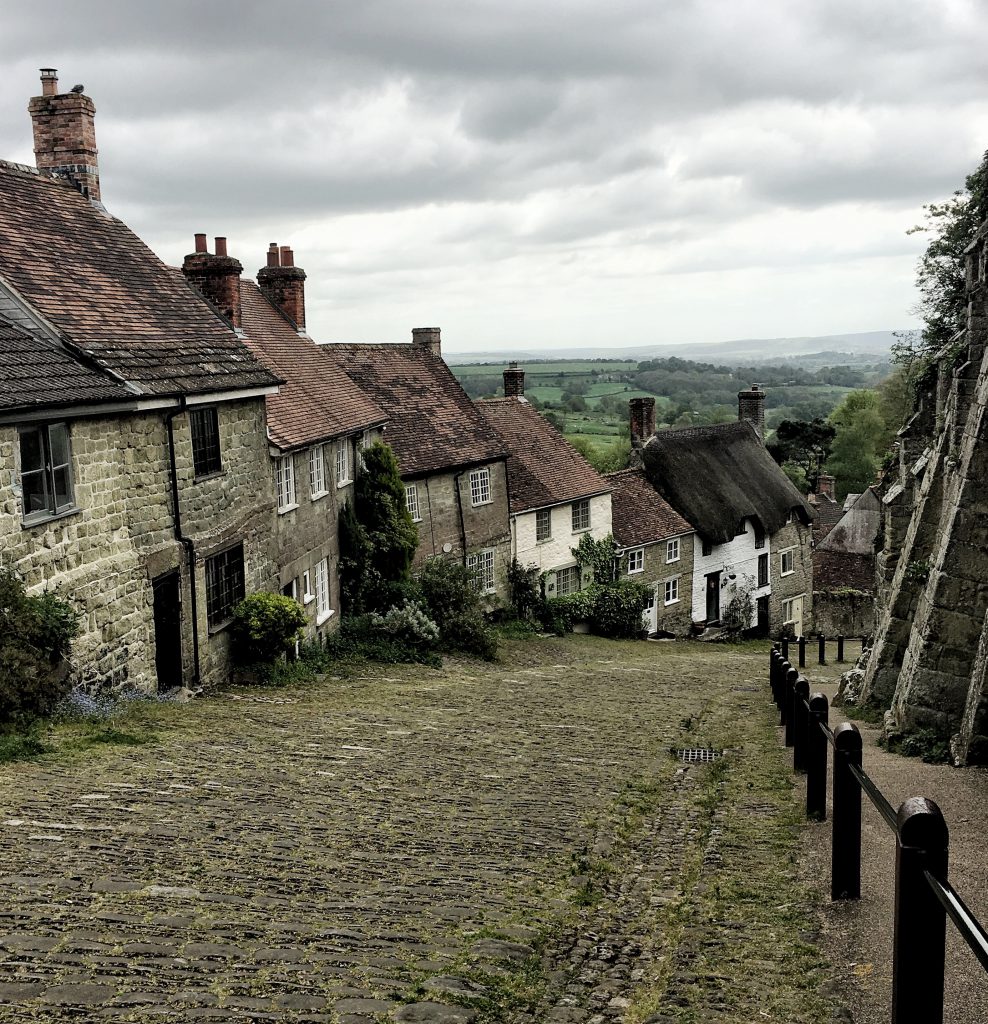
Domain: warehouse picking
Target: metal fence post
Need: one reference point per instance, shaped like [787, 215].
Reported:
[845, 869]
[774, 669]
[822, 642]
[801, 692]
[840, 650]
[918, 945]
[816, 759]
[785, 648]
[802, 652]
[789, 699]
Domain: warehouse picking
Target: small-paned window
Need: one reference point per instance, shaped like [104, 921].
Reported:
[412, 502]
[46, 472]
[480, 486]
[763, 570]
[285, 482]
[317, 472]
[482, 566]
[342, 461]
[205, 441]
[307, 594]
[323, 610]
[636, 561]
[224, 585]
[759, 537]
[787, 561]
[672, 591]
[568, 580]
[706, 547]
[581, 515]
[672, 550]
[543, 525]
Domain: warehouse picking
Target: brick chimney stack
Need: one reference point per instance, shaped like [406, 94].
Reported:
[216, 276]
[283, 284]
[825, 485]
[751, 407]
[65, 135]
[514, 381]
[641, 413]
[427, 337]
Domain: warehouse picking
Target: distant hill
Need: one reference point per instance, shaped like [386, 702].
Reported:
[871, 346]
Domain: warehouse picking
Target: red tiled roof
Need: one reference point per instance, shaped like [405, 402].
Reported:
[639, 514]
[318, 400]
[543, 467]
[99, 285]
[828, 514]
[433, 425]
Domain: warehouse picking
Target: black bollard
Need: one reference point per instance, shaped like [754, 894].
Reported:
[823, 649]
[790, 701]
[785, 648]
[845, 870]
[816, 759]
[802, 652]
[801, 726]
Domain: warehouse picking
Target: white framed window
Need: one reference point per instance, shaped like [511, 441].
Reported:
[791, 518]
[482, 566]
[285, 483]
[412, 502]
[543, 525]
[581, 515]
[290, 589]
[636, 561]
[323, 611]
[672, 591]
[787, 560]
[480, 486]
[317, 472]
[46, 472]
[672, 550]
[366, 439]
[568, 580]
[343, 461]
[307, 594]
[788, 607]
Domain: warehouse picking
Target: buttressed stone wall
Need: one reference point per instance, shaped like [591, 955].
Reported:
[931, 639]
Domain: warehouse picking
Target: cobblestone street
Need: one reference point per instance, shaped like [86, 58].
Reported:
[511, 842]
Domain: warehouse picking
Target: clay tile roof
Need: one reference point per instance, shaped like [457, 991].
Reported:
[36, 371]
[828, 514]
[639, 514]
[543, 467]
[101, 287]
[432, 423]
[318, 400]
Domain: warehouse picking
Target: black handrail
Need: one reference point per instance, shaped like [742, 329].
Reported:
[967, 924]
[876, 796]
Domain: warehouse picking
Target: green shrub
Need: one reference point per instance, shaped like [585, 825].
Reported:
[526, 591]
[449, 592]
[613, 611]
[265, 626]
[407, 623]
[35, 634]
[361, 637]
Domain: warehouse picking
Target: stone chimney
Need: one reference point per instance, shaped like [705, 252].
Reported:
[641, 413]
[427, 337]
[751, 407]
[283, 284]
[216, 276]
[825, 485]
[65, 135]
[514, 381]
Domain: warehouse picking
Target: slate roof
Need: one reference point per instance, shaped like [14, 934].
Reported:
[36, 371]
[318, 399]
[100, 286]
[639, 514]
[718, 475]
[432, 423]
[858, 527]
[543, 467]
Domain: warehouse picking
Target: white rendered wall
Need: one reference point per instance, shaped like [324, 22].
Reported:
[738, 556]
[555, 552]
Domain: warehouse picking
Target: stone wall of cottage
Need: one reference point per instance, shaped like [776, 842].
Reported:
[103, 557]
[798, 583]
[673, 618]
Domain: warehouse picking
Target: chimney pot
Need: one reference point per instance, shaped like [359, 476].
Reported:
[220, 245]
[751, 407]
[427, 337]
[514, 381]
[49, 82]
[287, 256]
[273, 256]
[217, 277]
[825, 485]
[283, 284]
[641, 414]
[201, 242]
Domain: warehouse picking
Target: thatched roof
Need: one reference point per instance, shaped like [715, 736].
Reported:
[716, 476]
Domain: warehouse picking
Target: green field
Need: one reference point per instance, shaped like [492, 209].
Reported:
[564, 366]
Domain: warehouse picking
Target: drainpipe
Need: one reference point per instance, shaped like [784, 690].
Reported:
[459, 508]
[186, 542]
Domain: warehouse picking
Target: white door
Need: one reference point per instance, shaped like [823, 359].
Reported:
[792, 613]
[650, 617]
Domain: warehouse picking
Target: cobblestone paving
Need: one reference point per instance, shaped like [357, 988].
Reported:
[477, 843]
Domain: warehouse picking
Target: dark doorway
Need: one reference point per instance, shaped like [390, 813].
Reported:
[713, 597]
[763, 616]
[168, 630]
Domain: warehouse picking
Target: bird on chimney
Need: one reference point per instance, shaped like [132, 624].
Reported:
[79, 89]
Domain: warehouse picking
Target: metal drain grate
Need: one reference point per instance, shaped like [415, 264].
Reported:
[697, 755]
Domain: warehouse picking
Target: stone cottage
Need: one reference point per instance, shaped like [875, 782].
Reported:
[316, 422]
[134, 472]
[656, 547]
[556, 495]
[752, 537]
[452, 464]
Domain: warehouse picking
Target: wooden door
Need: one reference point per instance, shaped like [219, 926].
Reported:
[713, 597]
[168, 630]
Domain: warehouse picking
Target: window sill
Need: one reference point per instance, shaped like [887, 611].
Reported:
[480, 504]
[319, 494]
[581, 529]
[38, 519]
[308, 598]
[202, 477]
[219, 627]
[416, 519]
[791, 572]
[666, 604]
[343, 483]
[636, 572]
[325, 616]
[287, 508]
[672, 561]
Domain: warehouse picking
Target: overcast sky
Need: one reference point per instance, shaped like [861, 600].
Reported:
[532, 172]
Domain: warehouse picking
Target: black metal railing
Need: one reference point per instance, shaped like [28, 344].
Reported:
[924, 898]
[821, 643]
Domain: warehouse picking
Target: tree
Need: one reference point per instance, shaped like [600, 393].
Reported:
[804, 444]
[862, 436]
[940, 273]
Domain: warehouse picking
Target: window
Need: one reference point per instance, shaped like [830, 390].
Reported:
[742, 527]
[290, 589]
[636, 561]
[205, 442]
[46, 472]
[581, 515]
[759, 536]
[482, 566]
[285, 483]
[307, 594]
[412, 502]
[672, 550]
[672, 591]
[342, 462]
[317, 472]
[706, 547]
[788, 608]
[787, 559]
[763, 570]
[480, 486]
[224, 585]
[323, 611]
[543, 525]
[366, 439]
[791, 518]
[568, 581]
